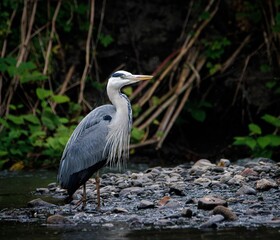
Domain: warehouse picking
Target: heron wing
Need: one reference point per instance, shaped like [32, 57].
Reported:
[86, 144]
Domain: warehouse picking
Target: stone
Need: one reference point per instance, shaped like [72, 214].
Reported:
[42, 190]
[178, 189]
[212, 222]
[245, 189]
[186, 212]
[248, 172]
[58, 219]
[226, 212]
[265, 184]
[131, 190]
[210, 202]
[144, 204]
[38, 202]
[120, 210]
[236, 180]
[224, 162]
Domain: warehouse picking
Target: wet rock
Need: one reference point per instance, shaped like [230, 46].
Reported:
[203, 181]
[186, 212]
[226, 212]
[146, 204]
[172, 203]
[224, 162]
[265, 184]
[203, 164]
[120, 210]
[210, 202]
[212, 222]
[164, 200]
[178, 189]
[131, 190]
[236, 180]
[42, 190]
[245, 189]
[38, 202]
[58, 219]
[248, 172]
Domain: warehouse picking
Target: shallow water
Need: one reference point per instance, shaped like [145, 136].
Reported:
[16, 190]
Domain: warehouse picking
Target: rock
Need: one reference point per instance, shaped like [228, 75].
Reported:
[265, 184]
[236, 180]
[120, 210]
[224, 163]
[186, 212]
[131, 190]
[178, 189]
[164, 200]
[212, 222]
[210, 202]
[38, 202]
[203, 164]
[224, 211]
[172, 203]
[245, 189]
[58, 219]
[248, 172]
[42, 190]
[202, 181]
[146, 204]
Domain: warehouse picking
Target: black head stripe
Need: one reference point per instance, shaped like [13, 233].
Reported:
[117, 74]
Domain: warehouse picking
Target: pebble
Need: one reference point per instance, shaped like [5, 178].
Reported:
[186, 212]
[38, 202]
[210, 202]
[226, 212]
[169, 197]
[265, 184]
[245, 189]
[144, 204]
[212, 222]
[58, 219]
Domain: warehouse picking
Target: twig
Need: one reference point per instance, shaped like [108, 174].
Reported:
[87, 63]
[51, 37]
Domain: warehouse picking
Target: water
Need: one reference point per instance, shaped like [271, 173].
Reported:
[16, 190]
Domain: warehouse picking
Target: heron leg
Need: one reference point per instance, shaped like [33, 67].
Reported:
[97, 181]
[84, 199]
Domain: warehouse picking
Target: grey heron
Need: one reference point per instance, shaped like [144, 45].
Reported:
[102, 137]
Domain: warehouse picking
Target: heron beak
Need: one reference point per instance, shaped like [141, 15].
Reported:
[141, 77]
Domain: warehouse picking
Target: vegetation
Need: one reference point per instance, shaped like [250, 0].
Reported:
[213, 61]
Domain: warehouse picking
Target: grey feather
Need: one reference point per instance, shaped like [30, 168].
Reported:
[86, 145]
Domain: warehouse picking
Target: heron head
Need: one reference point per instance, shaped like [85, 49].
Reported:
[122, 78]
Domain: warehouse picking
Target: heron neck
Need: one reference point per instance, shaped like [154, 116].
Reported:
[120, 101]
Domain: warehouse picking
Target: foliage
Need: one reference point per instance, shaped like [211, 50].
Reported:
[261, 144]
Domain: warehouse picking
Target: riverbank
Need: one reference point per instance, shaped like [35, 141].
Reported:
[204, 195]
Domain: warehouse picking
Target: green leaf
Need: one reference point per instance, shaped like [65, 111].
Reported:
[246, 141]
[274, 140]
[127, 91]
[60, 98]
[43, 93]
[264, 141]
[255, 129]
[3, 153]
[31, 118]
[4, 122]
[272, 120]
[198, 115]
[48, 123]
[155, 100]
[137, 134]
[16, 119]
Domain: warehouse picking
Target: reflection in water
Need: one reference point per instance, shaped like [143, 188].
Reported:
[86, 232]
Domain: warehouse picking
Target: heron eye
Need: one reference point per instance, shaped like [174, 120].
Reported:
[117, 74]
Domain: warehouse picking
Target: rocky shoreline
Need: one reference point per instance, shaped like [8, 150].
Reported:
[204, 195]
